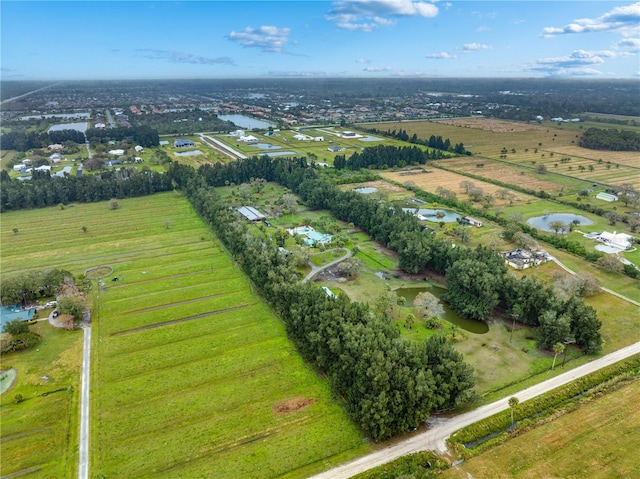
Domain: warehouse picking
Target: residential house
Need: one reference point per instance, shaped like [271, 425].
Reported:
[180, 143]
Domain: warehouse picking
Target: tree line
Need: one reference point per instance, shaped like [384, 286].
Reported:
[382, 157]
[44, 190]
[610, 139]
[477, 279]
[141, 135]
[388, 384]
[30, 286]
[435, 141]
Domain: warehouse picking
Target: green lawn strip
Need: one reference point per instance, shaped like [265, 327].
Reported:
[231, 322]
[595, 440]
[129, 362]
[205, 370]
[614, 281]
[124, 290]
[159, 298]
[121, 324]
[42, 431]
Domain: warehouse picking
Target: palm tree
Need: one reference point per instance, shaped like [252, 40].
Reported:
[513, 404]
[558, 348]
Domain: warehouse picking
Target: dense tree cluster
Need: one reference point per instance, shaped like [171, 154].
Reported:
[610, 139]
[43, 190]
[385, 156]
[17, 336]
[434, 141]
[29, 286]
[25, 141]
[140, 135]
[182, 122]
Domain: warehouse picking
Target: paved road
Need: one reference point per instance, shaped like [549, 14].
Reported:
[316, 269]
[434, 438]
[83, 456]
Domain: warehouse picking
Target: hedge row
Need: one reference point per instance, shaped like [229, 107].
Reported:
[542, 406]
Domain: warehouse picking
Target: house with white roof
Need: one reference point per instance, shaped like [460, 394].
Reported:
[617, 240]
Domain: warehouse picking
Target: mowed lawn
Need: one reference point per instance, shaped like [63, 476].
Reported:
[597, 441]
[192, 374]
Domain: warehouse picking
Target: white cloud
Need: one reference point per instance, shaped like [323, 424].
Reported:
[473, 47]
[482, 29]
[268, 38]
[376, 69]
[181, 57]
[367, 15]
[441, 56]
[362, 61]
[630, 44]
[625, 20]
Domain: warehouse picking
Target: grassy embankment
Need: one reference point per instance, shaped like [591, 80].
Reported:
[192, 374]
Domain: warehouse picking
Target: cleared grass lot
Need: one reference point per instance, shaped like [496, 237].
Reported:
[40, 434]
[192, 375]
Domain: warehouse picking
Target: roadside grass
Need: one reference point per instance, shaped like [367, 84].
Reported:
[596, 440]
[41, 432]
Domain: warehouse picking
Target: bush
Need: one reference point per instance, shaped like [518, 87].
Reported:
[16, 327]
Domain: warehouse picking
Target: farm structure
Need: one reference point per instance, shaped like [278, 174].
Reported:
[180, 143]
[251, 213]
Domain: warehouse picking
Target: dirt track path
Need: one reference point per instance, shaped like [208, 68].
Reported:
[316, 269]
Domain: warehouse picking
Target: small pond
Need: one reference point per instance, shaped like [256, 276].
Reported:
[370, 138]
[477, 327]
[80, 126]
[279, 153]
[266, 146]
[542, 222]
[436, 215]
[244, 121]
[366, 190]
[188, 153]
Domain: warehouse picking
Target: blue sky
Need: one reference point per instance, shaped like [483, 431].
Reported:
[357, 38]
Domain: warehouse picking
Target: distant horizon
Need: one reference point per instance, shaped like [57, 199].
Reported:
[262, 39]
[550, 79]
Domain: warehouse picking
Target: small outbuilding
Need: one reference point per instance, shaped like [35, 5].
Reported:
[181, 143]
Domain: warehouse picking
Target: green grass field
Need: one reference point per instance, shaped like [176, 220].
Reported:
[597, 440]
[192, 374]
[39, 435]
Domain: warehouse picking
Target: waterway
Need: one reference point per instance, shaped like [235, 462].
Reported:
[410, 293]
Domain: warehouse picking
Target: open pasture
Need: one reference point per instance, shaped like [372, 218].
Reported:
[195, 376]
[516, 174]
[451, 181]
[527, 146]
[192, 374]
